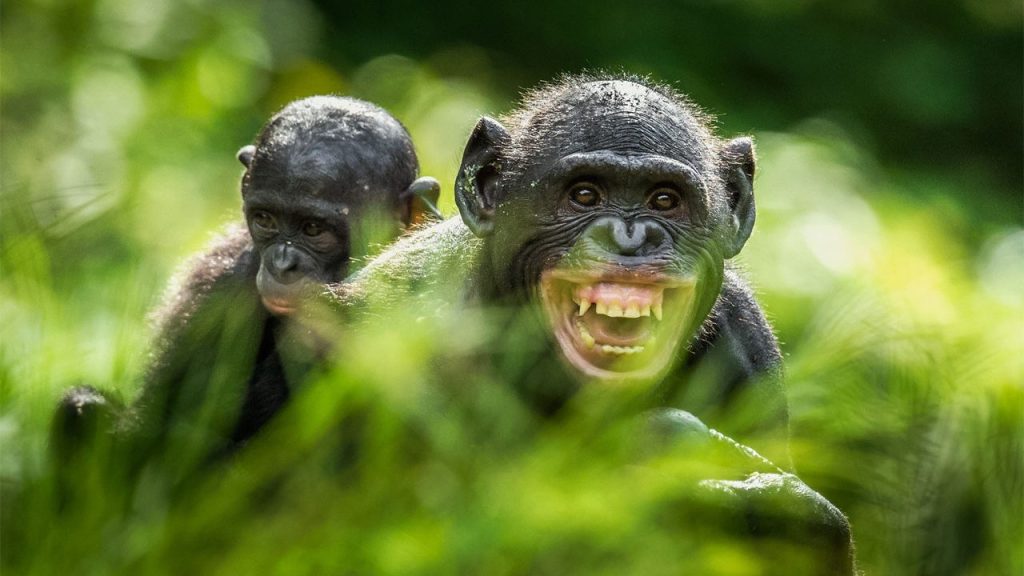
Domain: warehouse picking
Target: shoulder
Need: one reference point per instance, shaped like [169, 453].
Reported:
[737, 342]
[227, 263]
[425, 257]
[429, 268]
[440, 243]
[738, 316]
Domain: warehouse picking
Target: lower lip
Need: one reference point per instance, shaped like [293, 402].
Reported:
[277, 307]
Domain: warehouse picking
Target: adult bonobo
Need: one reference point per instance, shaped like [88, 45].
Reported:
[327, 178]
[612, 207]
[609, 205]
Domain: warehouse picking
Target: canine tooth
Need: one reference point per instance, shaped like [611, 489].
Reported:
[584, 306]
[645, 310]
[656, 309]
[602, 308]
[615, 311]
[585, 335]
[588, 340]
[632, 311]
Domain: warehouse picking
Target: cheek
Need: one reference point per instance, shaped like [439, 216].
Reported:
[333, 266]
[697, 252]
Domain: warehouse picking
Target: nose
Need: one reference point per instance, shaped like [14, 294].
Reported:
[283, 263]
[637, 238]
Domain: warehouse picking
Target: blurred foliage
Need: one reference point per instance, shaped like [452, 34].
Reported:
[888, 251]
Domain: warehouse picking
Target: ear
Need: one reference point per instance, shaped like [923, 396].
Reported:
[476, 183]
[737, 160]
[419, 201]
[245, 154]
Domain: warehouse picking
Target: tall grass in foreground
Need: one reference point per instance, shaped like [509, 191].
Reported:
[406, 455]
[903, 335]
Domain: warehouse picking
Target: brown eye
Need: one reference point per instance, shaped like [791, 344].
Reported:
[264, 220]
[584, 194]
[664, 199]
[312, 229]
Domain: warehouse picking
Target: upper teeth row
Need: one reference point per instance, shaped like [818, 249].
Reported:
[617, 310]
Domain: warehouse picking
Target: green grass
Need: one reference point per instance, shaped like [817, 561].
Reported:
[899, 308]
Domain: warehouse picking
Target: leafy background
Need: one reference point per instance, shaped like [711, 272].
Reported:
[889, 252]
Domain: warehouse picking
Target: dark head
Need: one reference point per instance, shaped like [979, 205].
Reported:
[327, 178]
[612, 203]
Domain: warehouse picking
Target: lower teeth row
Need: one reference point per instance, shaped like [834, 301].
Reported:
[621, 349]
[606, 348]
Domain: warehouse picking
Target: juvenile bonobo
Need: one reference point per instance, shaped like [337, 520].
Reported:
[327, 178]
[608, 205]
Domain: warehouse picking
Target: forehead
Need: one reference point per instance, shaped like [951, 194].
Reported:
[619, 117]
[305, 206]
[323, 173]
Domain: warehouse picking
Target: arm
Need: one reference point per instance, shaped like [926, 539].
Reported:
[781, 517]
[208, 332]
[732, 376]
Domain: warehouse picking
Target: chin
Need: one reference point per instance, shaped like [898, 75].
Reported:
[618, 325]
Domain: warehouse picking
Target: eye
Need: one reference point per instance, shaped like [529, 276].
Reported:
[263, 220]
[664, 199]
[584, 194]
[312, 229]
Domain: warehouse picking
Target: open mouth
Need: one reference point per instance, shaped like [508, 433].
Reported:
[617, 325]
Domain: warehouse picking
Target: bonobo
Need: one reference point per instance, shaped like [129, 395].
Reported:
[327, 178]
[609, 206]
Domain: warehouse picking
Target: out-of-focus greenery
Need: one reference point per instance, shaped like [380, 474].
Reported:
[888, 251]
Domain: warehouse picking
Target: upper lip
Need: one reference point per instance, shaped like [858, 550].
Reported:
[620, 275]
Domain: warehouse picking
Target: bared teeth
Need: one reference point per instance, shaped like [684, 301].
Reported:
[621, 350]
[583, 302]
[585, 334]
[584, 306]
[618, 300]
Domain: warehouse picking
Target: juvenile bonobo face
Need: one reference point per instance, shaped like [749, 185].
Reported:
[612, 205]
[300, 244]
[328, 178]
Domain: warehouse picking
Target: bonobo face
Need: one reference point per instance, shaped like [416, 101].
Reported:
[300, 243]
[328, 178]
[612, 206]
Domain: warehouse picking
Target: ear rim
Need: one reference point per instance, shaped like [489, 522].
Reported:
[739, 167]
[245, 155]
[419, 201]
[475, 199]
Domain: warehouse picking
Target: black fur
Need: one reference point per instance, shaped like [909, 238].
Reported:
[628, 142]
[327, 178]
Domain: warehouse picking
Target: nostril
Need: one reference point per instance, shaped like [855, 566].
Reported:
[625, 240]
[656, 241]
[621, 238]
